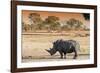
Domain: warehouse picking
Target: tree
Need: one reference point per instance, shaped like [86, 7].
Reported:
[79, 25]
[35, 19]
[52, 19]
[52, 23]
[73, 24]
[40, 26]
[25, 27]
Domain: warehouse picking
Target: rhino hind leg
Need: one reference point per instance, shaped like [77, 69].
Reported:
[75, 56]
[64, 55]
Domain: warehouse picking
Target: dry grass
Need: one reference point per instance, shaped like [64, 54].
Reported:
[34, 45]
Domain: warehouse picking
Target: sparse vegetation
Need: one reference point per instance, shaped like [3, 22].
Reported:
[34, 45]
[52, 23]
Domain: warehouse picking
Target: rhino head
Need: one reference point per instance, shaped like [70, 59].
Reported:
[51, 51]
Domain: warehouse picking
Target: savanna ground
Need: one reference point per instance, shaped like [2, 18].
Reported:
[34, 45]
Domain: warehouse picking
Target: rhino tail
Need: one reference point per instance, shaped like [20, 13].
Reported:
[78, 46]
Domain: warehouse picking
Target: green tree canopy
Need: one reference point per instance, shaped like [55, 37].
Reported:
[73, 24]
[35, 19]
[52, 22]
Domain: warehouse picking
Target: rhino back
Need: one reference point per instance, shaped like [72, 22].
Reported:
[62, 45]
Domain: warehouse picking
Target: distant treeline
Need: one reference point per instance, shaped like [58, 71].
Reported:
[52, 23]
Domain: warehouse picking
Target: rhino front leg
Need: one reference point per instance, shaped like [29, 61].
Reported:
[61, 54]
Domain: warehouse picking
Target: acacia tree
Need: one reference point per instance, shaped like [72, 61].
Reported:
[52, 23]
[25, 27]
[73, 24]
[35, 19]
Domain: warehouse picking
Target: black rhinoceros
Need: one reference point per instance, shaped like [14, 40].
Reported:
[64, 47]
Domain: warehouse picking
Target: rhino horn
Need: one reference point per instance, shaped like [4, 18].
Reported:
[47, 50]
